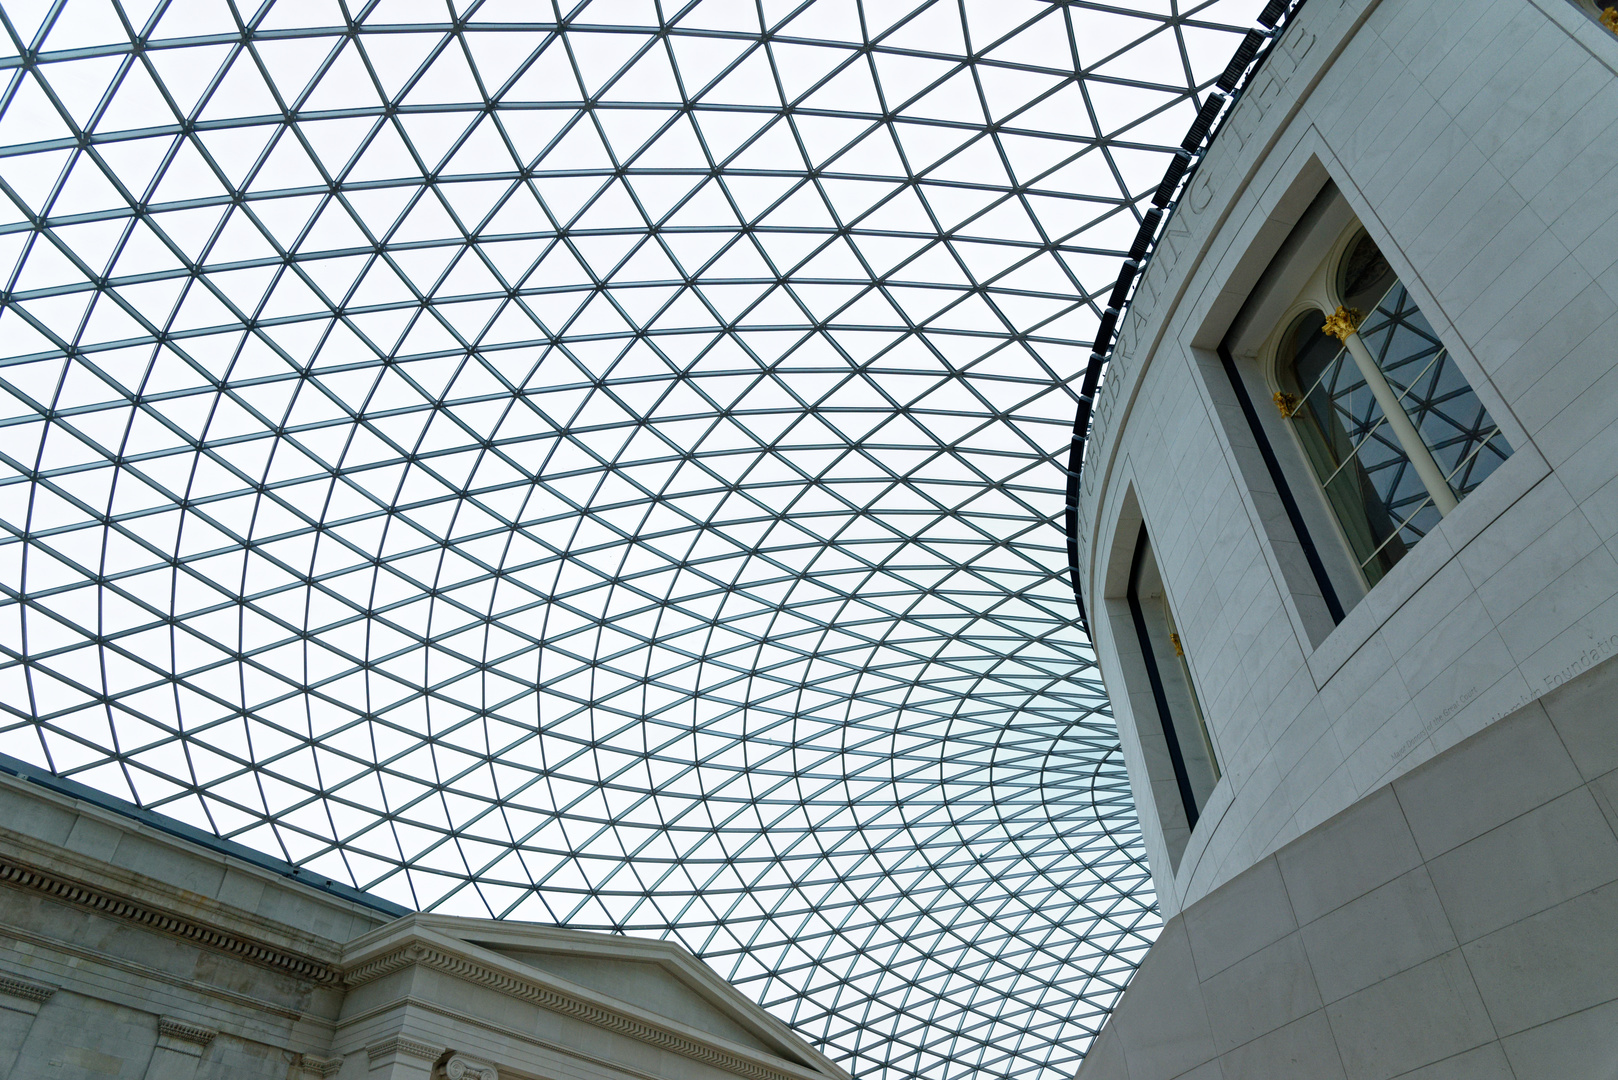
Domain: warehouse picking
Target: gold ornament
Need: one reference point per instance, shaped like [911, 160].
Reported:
[1287, 403]
[1341, 323]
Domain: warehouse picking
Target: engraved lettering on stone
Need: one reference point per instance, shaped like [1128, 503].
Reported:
[1585, 660]
[1201, 193]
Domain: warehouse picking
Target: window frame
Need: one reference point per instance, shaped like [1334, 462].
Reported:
[1320, 293]
[1604, 15]
[1158, 682]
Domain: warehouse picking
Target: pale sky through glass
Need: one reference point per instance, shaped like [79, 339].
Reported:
[601, 470]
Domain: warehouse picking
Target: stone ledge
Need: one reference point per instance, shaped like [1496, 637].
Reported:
[29, 991]
[398, 1046]
[103, 959]
[20, 875]
[311, 1065]
[191, 1033]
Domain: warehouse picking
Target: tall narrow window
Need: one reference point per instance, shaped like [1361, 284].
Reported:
[1190, 748]
[1395, 434]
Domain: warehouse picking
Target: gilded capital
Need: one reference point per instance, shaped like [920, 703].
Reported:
[1287, 403]
[1609, 19]
[1341, 323]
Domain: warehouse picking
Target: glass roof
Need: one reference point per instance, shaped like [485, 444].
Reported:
[601, 470]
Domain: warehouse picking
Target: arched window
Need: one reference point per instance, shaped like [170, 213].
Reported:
[1393, 431]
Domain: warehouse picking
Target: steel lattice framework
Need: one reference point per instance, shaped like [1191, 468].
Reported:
[599, 470]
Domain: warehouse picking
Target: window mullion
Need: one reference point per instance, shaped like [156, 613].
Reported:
[1342, 326]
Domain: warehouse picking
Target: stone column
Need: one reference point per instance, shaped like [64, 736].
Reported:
[1344, 326]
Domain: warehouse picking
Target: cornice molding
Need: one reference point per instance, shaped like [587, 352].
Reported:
[398, 1044]
[142, 971]
[191, 1033]
[22, 988]
[415, 953]
[312, 1065]
[20, 875]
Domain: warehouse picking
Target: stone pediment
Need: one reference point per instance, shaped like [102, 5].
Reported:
[651, 991]
[124, 916]
[648, 984]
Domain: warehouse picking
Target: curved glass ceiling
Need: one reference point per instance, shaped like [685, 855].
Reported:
[599, 470]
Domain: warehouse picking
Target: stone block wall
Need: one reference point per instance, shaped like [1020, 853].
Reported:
[1474, 145]
[1460, 922]
[1410, 865]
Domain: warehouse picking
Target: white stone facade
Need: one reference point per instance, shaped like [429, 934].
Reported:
[130, 953]
[1409, 865]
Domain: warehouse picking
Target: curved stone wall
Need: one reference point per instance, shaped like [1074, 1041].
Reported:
[1409, 866]
[1456, 924]
[1471, 144]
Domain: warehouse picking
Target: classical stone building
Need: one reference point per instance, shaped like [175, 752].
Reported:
[1348, 532]
[130, 952]
[594, 464]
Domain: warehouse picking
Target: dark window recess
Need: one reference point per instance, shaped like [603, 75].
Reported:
[1283, 490]
[1196, 767]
